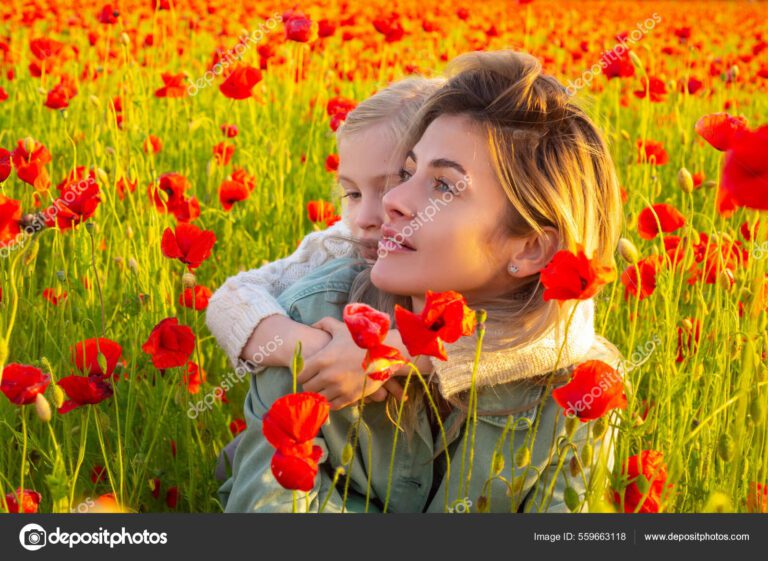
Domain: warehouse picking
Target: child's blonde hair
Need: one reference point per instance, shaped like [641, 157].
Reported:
[396, 106]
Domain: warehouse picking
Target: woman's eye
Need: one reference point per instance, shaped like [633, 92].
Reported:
[443, 187]
[353, 195]
[404, 175]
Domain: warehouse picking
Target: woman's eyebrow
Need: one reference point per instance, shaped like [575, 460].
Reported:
[445, 163]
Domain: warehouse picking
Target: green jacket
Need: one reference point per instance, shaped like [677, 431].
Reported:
[417, 483]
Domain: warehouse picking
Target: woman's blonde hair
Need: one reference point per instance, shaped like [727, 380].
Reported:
[553, 164]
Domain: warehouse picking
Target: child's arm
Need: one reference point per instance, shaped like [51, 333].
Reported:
[239, 306]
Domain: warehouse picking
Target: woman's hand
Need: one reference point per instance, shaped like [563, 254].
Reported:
[336, 370]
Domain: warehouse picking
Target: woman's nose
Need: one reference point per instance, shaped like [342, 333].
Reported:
[398, 203]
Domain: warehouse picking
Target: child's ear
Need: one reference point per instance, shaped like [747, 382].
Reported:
[534, 252]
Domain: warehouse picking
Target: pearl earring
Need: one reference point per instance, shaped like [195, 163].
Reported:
[513, 269]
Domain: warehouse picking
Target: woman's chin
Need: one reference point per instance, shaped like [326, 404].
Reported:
[391, 281]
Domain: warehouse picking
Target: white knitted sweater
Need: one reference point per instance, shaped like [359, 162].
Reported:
[236, 308]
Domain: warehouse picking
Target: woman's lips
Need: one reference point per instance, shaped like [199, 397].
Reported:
[392, 245]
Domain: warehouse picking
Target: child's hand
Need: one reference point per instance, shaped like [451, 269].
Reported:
[336, 371]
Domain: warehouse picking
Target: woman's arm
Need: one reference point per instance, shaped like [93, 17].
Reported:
[238, 307]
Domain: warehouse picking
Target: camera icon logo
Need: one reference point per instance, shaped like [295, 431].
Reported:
[32, 537]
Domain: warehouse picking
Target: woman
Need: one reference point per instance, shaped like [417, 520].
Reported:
[523, 173]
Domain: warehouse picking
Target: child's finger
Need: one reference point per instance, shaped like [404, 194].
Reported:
[379, 395]
[393, 387]
[312, 366]
[329, 325]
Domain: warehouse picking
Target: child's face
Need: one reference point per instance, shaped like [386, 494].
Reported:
[368, 166]
[453, 242]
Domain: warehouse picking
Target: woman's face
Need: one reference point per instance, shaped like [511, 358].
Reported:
[368, 165]
[443, 222]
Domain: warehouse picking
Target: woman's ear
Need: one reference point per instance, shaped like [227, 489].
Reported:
[532, 253]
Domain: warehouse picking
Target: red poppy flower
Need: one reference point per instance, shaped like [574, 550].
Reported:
[10, 218]
[617, 64]
[654, 87]
[325, 28]
[189, 244]
[21, 383]
[173, 85]
[59, 96]
[712, 259]
[688, 336]
[195, 298]
[298, 28]
[169, 344]
[319, 211]
[332, 162]
[445, 318]
[231, 192]
[222, 153]
[368, 328]
[390, 27]
[87, 356]
[98, 474]
[194, 377]
[648, 269]
[55, 297]
[237, 426]
[651, 152]
[152, 144]
[83, 390]
[229, 131]
[242, 176]
[187, 210]
[44, 48]
[154, 486]
[29, 159]
[172, 497]
[594, 389]
[5, 164]
[757, 498]
[108, 15]
[124, 185]
[719, 128]
[573, 276]
[644, 496]
[168, 192]
[338, 105]
[23, 501]
[659, 218]
[745, 172]
[240, 82]
[290, 425]
[76, 204]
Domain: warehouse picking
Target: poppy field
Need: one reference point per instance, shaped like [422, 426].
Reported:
[150, 149]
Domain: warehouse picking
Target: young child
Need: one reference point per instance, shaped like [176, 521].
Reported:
[244, 315]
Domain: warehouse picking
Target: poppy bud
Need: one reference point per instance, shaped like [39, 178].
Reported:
[574, 467]
[29, 143]
[95, 101]
[90, 226]
[709, 183]
[628, 251]
[733, 72]
[685, 180]
[726, 280]
[571, 497]
[133, 264]
[42, 408]
[599, 427]
[515, 486]
[522, 457]
[58, 396]
[119, 262]
[587, 452]
[61, 275]
[624, 134]
[124, 39]
[687, 325]
[498, 464]
[726, 447]
[571, 424]
[483, 505]
[698, 372]
[636, 60]
[188, 280]
[128, 232]
[347, 453]
[102, 175]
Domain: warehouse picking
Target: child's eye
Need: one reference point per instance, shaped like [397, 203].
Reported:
[404, 175]
[353, 195]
